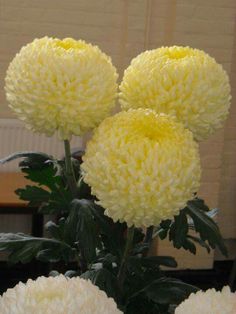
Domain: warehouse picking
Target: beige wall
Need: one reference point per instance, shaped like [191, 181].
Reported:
[227, 195]
[125, 28]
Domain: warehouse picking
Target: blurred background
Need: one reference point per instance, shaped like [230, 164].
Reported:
[123, 29]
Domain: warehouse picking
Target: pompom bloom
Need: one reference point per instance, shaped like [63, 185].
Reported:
[57, 295]
[180, 81]
[142, 167]
[209, 302]
[63, 85]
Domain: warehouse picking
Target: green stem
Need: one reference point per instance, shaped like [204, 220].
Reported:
[82, 264]
[69, 169]
[148, 236]
[71, 180]
[148, 239]
[123, 265]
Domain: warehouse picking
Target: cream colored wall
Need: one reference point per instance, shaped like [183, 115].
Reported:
[227, 195]
[125, 28]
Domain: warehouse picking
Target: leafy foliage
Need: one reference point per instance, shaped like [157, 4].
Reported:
[104, 279]
[82, 235]
[35, 195]
[168, 291]
[206, 227]
[178, 230]
[23, 248]
[81, 228]
[51, 194]
[34, 158]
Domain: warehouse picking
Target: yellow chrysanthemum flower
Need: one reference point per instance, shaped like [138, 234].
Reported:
[209, 302]
[142, 167]
[57, 295]
[65, 85]
[183, 82]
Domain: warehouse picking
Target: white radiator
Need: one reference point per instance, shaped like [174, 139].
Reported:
[15, 137]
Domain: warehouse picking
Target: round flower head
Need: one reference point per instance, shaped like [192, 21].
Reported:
[65, 85]
[183, 82]
[209, 302]
[142, 167]
[57, 295]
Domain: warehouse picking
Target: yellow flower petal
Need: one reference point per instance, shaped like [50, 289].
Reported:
[63, 85]
[142, 167]
[183, 82]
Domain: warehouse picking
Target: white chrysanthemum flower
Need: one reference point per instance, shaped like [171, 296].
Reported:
[183, 82]
[65, 85]
[57, 295]
[142, 167]
[209, 302]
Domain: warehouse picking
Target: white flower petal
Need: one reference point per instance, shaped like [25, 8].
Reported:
[57, 295]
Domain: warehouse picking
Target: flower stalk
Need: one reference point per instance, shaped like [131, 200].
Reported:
[148, 236]
[72, 183]
[123, 265]
[148, 239]
[70, 175]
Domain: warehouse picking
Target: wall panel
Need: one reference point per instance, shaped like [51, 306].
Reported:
[123, 29]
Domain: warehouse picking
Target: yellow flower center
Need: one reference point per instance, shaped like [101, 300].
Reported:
[149, 128]
[178, 53]
[69, 43]
[48, 296]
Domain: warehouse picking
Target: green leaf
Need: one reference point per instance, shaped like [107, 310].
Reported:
[167, 291]
[43, 170]
[162, 230]
[199, 203]
[178, 233]
[167, 261]
[211, 213]
[23, 248]
[199, 214]
[143, 305]
[56, 231]
[54, 273]
[153, 261]
[56, 253]
[138, 235]
[200, 242]
[207, 228]
[142, 270]
[139, 248]
[59, 202]
[56, 198]
[33, 194]
[179, 230]
[80, 226]
[104, 279]
[84, 190]
[47, 202]
[108, 261]
[44, 176]
[33, 156]
[71, 273]
[115, 243]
